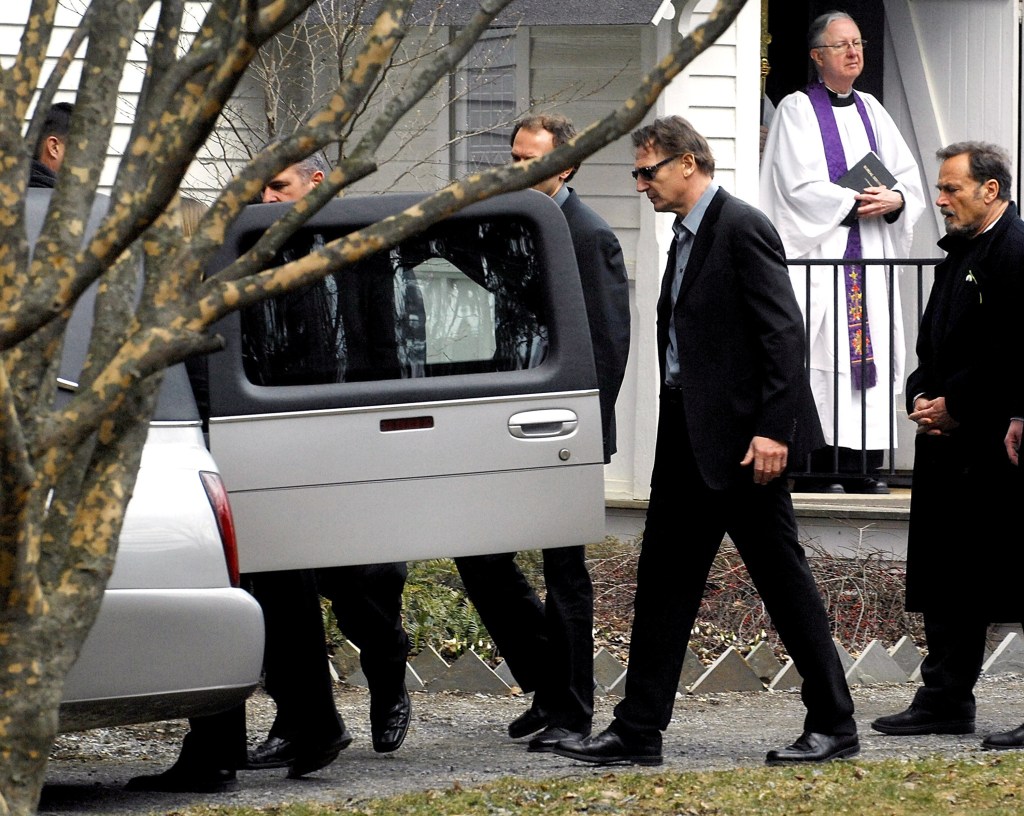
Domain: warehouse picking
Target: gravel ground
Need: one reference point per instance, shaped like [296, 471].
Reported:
[461, 738]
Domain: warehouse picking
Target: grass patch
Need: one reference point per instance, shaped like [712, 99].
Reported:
[989, 784]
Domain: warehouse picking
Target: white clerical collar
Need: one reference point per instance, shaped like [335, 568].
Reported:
[838, 95]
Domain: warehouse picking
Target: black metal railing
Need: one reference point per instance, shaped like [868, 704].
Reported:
[920, 270]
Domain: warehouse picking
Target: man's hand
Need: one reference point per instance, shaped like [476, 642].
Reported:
[932, 417]
[1012, 441]
[769, 458]
[877, 201]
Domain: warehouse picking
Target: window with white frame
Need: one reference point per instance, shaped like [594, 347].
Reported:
[485, 104]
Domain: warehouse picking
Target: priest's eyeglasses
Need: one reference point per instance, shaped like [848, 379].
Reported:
[648, 173]
[839, 48]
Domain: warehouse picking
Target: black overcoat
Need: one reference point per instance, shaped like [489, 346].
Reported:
[606, 295]
[966, 548]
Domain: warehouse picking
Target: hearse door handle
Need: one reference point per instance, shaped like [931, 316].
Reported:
[543, 424]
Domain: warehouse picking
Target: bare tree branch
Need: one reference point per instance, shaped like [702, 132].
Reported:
[70, 470]
[46, 96]
[28, 65]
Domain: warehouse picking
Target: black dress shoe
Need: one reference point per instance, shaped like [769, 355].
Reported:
[299, 757]
[917, 720]
[389, 728]
[868, 486]
[611, 748]
[313, 758]
[529, 722]
[273, 752]
[547, 739]
[1004, 740]
[811, 747]
[180, 778]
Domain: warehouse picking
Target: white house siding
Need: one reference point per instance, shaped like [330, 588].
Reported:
[952, 73]
[957, 68]
[414, 156]
[584, 72]
[13, 16]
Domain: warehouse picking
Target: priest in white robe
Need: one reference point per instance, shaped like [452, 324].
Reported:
[817, 134]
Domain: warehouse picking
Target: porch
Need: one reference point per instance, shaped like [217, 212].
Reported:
[847, 525]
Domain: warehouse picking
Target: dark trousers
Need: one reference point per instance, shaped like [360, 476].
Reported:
[295, 668]
[367, 603]
[956, 652]
[216, 741]
[686, 521]
[549, 646]
[296, 675]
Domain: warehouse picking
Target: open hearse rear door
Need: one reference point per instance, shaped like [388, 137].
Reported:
[438, 399]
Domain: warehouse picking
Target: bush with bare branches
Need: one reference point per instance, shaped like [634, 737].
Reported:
[863, 596]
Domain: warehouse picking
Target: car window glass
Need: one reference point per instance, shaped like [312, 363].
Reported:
[462, 298]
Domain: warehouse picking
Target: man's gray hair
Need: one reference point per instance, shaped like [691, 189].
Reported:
[986, 161]
[816, 33]
[311, 164]
[308, 166]
[676, 137]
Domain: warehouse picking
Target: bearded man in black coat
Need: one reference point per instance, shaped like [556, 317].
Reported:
[964, 559]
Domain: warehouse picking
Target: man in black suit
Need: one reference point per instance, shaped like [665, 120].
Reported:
[549, 646]
[735, 406]
[961, 395]
[307, 733]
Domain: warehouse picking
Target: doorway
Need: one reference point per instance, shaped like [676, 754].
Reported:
[788, 21]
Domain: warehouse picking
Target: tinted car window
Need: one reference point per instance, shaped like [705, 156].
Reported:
[460, 299]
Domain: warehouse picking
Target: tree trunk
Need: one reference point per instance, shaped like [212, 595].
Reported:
[32, 672]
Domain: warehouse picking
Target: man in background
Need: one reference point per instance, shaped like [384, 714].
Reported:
[49, 150]
[964, 555]
[549, 645]
[817, 134]
[367, 603]
[307, 733]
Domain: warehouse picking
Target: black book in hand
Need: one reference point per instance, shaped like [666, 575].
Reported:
[868, 172]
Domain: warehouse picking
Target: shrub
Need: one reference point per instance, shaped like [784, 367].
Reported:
[863, 596]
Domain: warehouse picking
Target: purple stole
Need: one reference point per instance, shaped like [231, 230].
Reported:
[862, 360]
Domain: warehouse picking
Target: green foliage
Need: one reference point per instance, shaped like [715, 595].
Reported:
[895, 787]
[437, 612]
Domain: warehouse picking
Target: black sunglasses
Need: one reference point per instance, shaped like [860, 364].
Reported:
[648, 173]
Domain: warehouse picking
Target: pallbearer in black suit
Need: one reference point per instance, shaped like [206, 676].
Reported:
[964, 555]
[549, 646]
[735, 405]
